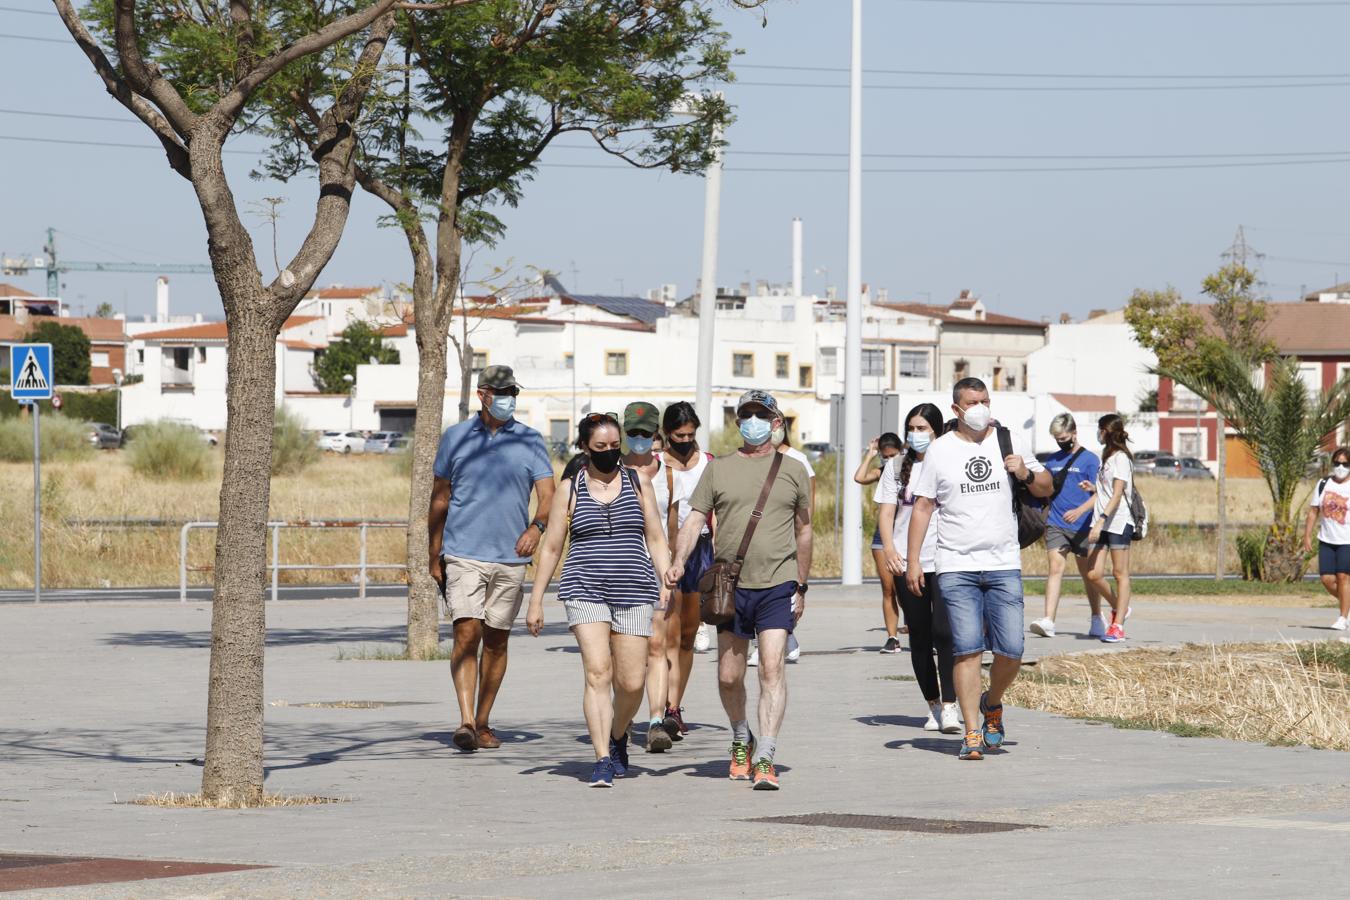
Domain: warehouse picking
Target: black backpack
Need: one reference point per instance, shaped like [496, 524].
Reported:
[1027, 510]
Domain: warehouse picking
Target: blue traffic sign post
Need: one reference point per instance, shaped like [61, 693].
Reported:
[31, 379]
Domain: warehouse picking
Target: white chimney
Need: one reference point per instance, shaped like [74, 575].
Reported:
[797, 257]
[161, 299]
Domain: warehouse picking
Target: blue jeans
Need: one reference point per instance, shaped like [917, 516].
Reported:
[985, 611]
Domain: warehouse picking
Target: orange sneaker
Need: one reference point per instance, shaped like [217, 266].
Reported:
[973, 746]
[740, 760]
[766, 779]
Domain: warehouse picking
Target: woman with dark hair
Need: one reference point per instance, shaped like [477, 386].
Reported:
[610, 586]
[885, 448]
[928, 628]
[1112, 525]
[684, 467]
[1331, 499]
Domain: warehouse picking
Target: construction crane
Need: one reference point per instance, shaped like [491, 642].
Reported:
[54, 266]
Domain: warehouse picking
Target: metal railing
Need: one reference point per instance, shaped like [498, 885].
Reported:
[363, 567]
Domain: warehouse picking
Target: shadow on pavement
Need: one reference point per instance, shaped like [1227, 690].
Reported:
[906, 721]
[294, 637]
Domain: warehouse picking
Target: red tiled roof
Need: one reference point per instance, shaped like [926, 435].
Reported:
[342, 293]
[1306, 328]
[9, 290]
[301, 345]
[213, 331]
[1086, 402]
[944, 314]
[99, 331]
[395, 330]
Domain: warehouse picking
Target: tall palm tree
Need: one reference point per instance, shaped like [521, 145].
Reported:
[1283, 424]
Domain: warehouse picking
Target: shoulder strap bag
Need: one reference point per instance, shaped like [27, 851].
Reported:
[1028, 513]
[717, 605]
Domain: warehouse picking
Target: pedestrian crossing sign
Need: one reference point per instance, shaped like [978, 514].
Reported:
[30, 371]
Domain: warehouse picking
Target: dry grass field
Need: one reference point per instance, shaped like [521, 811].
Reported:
[1272, 693]
[83, 555]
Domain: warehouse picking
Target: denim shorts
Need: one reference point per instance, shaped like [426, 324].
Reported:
[1333, 559]
[1117, 541]
[762, 609]
[985, 611]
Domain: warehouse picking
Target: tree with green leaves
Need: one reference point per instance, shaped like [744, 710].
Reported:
[1225, 358]
[458, 128]
[360, 344]
[195, 74]
[105, 311]
[70, 350]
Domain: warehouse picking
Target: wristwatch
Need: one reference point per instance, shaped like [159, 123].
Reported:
[802, 588]
[1031, 476]
[540, 525]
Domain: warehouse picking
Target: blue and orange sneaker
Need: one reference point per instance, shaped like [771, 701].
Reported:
[602, 776]
[972, 747]
[766, 778]
[740, 759]
[618, 753]
[992, 726]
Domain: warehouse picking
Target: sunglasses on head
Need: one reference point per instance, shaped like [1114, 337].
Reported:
[601, 417]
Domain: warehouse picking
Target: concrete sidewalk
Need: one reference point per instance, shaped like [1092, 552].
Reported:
[106, 702]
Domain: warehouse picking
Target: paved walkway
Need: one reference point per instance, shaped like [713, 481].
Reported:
[105, 702]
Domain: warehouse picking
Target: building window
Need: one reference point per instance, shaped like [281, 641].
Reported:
[140, 357]
[99, 359]
[616, 363]
[1190, 443]
[960, 369]
[569, 362]
[829, 361]
[1311, 376]
[743, 365]
[780, 366]
[1184, 398]
[873, 363]
[805, 377]
[913, 364]
[201, 354]
[479, 361]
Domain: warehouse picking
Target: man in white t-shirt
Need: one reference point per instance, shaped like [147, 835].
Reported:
[979, 561]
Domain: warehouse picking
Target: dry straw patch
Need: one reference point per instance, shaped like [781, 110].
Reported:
[171, 800]
[1273, 693]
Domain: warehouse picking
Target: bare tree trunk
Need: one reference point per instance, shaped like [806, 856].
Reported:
[1219, 562]
[423, 616]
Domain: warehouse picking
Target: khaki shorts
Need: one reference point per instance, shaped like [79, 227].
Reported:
[492, 592]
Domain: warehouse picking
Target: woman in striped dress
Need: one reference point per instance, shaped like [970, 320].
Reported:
[610, 586]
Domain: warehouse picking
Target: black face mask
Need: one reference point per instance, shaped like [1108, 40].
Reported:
[1066, 446]
[606, 460]
[682, 449]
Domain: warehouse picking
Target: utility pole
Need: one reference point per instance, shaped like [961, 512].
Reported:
[851, 546]
[707, 299]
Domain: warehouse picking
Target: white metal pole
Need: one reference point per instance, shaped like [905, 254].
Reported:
[707, 300]
[851, 550]
[797, 258]
[37, 502]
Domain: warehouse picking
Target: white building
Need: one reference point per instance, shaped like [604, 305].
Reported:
[1099, 356]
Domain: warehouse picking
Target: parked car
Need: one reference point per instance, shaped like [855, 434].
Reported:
[103, 436]
[343, 442]
[398, 445]
[1154, 462]
[207, 437]
[380, 441]
[1190, 467]
[817, 449]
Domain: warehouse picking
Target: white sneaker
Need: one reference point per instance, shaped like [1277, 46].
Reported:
[1044, 626]
[753, 659]
[934, 713]
[1098, 627]
[1341, 623]
[951, 718]
[702, 640]
[794, 649]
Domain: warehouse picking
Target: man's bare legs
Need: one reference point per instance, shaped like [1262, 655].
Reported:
[966, 675]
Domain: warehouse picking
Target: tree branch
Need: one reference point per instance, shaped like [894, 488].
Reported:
[241, 18]
[142, 78]
[117, 87]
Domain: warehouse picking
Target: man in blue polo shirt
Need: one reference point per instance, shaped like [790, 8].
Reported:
[482, 537]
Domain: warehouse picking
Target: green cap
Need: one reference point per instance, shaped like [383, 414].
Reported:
[641, 417]
[497, 378]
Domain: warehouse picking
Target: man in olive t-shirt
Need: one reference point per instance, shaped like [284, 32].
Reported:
[771, 591]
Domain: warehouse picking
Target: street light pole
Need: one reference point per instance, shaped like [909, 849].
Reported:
[851, 544]
[707, 299]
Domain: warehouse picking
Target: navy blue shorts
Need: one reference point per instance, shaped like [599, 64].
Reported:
[762, 609]
[1117, 541]
[1333, 559]
[699, 562]
[876, 539]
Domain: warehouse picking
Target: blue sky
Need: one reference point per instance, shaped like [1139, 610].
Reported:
[1031, 243]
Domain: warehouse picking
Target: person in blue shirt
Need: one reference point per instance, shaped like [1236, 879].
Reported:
[1068, 522]
[482, 537]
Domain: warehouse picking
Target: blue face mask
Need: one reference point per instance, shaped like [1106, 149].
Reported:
[919, 440]
[503, 406]
[755, 430]
[640, 445]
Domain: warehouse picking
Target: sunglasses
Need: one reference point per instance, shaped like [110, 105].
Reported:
[641, 434]
[505, 392]
[601, 417]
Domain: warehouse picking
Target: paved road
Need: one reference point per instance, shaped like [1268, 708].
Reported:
[105, 702]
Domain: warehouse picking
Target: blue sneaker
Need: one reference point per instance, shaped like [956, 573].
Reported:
[618, 755]
[992, 726]
[602, 776]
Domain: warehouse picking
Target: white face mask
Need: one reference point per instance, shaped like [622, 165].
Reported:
[1341, 472]
[977, 417]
